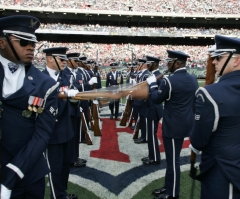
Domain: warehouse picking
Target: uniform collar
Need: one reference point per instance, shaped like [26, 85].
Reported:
[229, 75]
[5, 62]
[179, 69]
[155, 71]
[52, 73]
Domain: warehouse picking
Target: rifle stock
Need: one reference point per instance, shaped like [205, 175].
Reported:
[136, 130]
[85, 129]
[130, 121]
[90, 117]
[210, 72]
[126, 112]
[97, 131]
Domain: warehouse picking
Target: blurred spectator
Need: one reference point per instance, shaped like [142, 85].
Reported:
[164, 6]
[108, 53]
[141, 30]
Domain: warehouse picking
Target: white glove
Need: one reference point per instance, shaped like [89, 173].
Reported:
[151, 79]
[72, 92]
[93, 80]
[193, 149]
[95, 101]
[132, 81]
[5, 192]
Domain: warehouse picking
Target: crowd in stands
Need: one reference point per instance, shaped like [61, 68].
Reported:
[164, 6]
[123, 53]
[141, 30]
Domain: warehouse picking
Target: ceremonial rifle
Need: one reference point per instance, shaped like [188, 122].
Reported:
[137, 127]
[90, 117]
[125, 114]
[210, 71]
[138, 91]
[85, 128]
[96, 128]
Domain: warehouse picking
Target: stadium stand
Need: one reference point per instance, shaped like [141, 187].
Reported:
[179, 6]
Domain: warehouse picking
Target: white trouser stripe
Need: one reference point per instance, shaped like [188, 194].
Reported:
[155, 155]
[80, 133]
[230, 191]
[146, 129]
[16, 170]
[50, 176]
[174, 168]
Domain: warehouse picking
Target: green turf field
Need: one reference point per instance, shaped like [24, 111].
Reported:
[145, 193]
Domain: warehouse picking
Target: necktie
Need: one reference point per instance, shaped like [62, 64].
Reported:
[13, 67]
[56, 73]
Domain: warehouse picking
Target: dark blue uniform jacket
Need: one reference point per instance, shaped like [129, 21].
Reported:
[62, 131]
[153, 109]
[216, 129]
[178, 100]
[24, 139]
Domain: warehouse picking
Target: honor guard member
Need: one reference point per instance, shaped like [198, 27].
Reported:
[128, 72]
[26, 102]
[137, 104]
[177, 92]
[153, 113]
[216, 127]
[93, 72]
[114, 78]
[96, 68]
[90, 67]
[87, 83]
[75, 83]
[63, 131]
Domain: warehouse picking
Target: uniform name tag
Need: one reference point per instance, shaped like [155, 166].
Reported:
[197, 117]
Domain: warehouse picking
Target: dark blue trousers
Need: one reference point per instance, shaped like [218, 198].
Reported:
[173, 148]
[143, 128]
[216, 185]
[153, 145]
[35, 190]
[136, 111]
[74, 146]
[112, 105]
[59, 160]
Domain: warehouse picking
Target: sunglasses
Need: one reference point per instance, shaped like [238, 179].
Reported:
[62, 58]
[219, 57]
[25, 43]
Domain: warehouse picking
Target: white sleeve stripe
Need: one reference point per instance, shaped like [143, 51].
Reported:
[49, 91]
[200, 95]
[16, 170]
[216, 111]
[170, 88]
[154, 86]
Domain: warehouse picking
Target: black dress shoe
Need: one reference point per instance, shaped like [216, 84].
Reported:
[145, 159]
[81, 160]
[140, 141]
[157, 192]
[132, 127]
[137, 139]
[79, 164]
[71, 196]
[116, 118]
[165, 196]
[84, 142]
[111, 116]
[148, 162]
